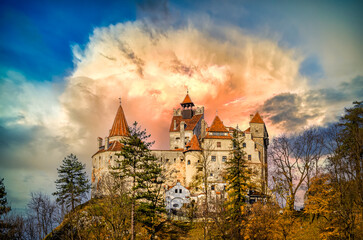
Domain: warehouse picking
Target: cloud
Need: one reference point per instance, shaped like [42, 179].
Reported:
[294, 111]
[151, 67]
[31, 143]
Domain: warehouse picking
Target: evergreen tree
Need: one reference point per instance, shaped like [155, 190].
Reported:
[72, 184]
[4, 208]
[237, 177]
[140, 168]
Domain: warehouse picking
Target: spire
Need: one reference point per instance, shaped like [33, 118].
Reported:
[187, 102]
[217, 126]
[257, 119]
[119, 127]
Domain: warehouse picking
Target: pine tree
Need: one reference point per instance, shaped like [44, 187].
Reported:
[237, 177]
[4, 208]
[72, 184]
[139, 167]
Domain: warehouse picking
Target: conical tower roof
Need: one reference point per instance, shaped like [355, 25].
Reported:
[187, 102]
[217, 126]
[257, 119]
[119, 126]
[187, 99]
[193, 144]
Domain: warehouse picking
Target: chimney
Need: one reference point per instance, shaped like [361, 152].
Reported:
[174, 124]
[106, 143]
[99, 140]
[251, 116]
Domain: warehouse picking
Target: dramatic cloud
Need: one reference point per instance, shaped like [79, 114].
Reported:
[151, 69]
[294, 111]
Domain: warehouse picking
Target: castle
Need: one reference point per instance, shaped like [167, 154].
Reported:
[191, 141]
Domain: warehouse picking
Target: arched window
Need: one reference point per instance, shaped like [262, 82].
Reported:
[188, 162]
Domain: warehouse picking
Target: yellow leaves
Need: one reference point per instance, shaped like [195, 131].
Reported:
[320, 196]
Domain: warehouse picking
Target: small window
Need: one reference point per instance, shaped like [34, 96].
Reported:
[188, 162]
[212, 188]
[174, 159]
[249, 157]
[224, 158]
[167, 160]
[110, 157]
[219, 144]
[244, 145]
[255, 145]
[196, 189]
[176, 190]
[181, 159]
[176, 148]
[214, 158]
[180, 190]
[211, 174]
[178, 138]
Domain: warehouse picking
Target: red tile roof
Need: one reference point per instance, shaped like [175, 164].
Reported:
[248, 130]
[119, 127]
[115, 146]
[257, 119]
[187, 100]
[217, 137]
[217, 126]
[193, 145]
[191, 123]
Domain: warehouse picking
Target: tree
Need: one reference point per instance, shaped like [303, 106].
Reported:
[72, 184]
[238, 184]
[143, 170]
[202, 177]
[42, 212]
[345, 165]
[293, 159]
[4, 208]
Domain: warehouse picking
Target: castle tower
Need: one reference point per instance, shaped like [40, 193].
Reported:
[185, 123]
[260, 137]
[106, 154]
[187, 106]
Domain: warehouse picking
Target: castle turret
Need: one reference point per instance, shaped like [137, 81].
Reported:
[260, 137]
[119, 128]
[185, 123]
[187, 106]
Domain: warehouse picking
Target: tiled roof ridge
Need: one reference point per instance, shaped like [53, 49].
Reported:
[119, 126]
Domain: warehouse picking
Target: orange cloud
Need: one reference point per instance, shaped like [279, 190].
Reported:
[151, 69]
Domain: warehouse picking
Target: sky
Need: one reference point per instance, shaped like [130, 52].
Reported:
[65, 64]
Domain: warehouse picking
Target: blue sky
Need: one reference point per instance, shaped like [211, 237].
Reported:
[63, 65]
